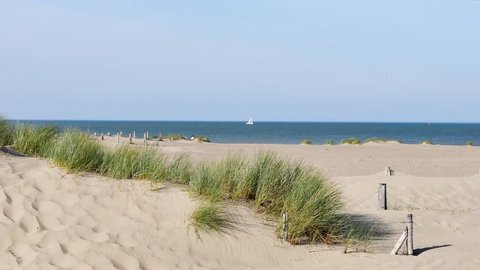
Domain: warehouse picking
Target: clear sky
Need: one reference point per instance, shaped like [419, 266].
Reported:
[337, 60]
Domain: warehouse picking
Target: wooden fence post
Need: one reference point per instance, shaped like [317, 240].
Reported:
[388, 171]
[382, 196]
[130, 138]
[118, 138]
[134, 136]
[285, 226]
[109, 134]
[145, 138]
[410, 234]
[103, 137]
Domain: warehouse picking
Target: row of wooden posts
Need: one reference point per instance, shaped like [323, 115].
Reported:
[407, 236]
[130, 136]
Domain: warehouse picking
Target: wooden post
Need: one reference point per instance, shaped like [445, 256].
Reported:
[410, 234]
[285, 226]
[388, 171]
[108, 134]
[382, 196]
[134, 136]
[95, 134]
[118, 138]
[130, 138]
[121, 133]
[103, 137]
[147, 135]
[145, 138]
[399, 243]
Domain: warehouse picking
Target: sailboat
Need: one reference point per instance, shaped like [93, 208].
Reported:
[250, 121]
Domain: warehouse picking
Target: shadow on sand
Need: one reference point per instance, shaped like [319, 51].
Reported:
[419, 251]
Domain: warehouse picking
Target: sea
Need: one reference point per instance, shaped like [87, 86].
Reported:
[282, 132]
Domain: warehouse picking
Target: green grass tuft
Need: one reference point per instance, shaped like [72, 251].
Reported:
[76, 152]
[427, 142]
[200, 138]
[127, 162]
[376, 140]
[6, 131]
[34, 141]
[180, 170]
[305, 141]
[175, 137]
[469, 143]
[211, 217]
[351, 140]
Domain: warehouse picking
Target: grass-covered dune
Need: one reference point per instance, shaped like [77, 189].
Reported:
[272, 184]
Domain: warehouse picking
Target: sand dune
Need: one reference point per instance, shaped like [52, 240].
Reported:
[53, 220]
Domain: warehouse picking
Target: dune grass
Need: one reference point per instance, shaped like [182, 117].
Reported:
[34, 141]
[428, 142]
[469, 143]
[127, 162]
[180, 170]
[211, 217]
[351, 140]
[175, 137]
[76, 152]
[305, 141]
[6, 131]
[200, 138]
[376, 140]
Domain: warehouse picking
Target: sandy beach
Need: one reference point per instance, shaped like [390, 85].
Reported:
[54, 220]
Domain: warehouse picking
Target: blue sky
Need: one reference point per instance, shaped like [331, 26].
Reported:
[226, 60]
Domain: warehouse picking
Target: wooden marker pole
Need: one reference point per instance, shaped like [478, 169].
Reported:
[134, 136]
[145, 139]
[410, 234]
[382, 196]
[130, 138]
[103, 137]
[285, 226]
[118, 138]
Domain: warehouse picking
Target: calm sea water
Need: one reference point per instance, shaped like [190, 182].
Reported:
[285, 132]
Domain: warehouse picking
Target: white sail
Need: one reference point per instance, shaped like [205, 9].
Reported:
[250, 121]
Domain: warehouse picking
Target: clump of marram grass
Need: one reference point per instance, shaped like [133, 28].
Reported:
[351, 140]
[469, 143]
[175, 137]
[358, 239]
[329, 142]
[180, 170]
[376, 140]
[220, 180]
[428, 142]
[76, 152]
[211, 217]
[134, 163]
[276, 185]
[200, 138]
[34, 141]
[305, 141]
[6, 131]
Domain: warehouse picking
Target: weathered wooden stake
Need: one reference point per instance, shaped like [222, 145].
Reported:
[103, 137]
[147, 135]
[134, 136]
[118, 138]
[410, 234]
[388, 171]
[382, 196]
[399, 243]
[145, 138]
[109, 134]
[121, 133]
[130, 138]
[285, 226]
